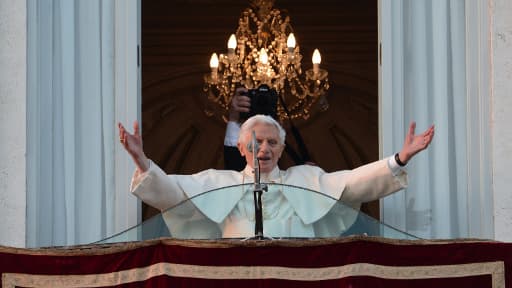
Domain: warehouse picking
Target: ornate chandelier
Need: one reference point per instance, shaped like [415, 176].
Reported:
[264, 51]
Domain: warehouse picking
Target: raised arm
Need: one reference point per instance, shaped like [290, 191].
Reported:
[132, 143]
[413, 144]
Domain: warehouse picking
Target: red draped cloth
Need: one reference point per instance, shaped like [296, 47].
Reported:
[344, 262]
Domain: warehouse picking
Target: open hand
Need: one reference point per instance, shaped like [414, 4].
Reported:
[415, 143]
[132, 143]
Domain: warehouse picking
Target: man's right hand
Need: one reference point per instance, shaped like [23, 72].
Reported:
[132, 143]
[239, 103]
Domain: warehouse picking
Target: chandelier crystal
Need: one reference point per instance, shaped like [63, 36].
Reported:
[264, 51]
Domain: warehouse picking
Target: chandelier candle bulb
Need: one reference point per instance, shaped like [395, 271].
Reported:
[316, 61]
[214, 65]
[264, 69]
[263, 56]
[290, 43]
[231, 45]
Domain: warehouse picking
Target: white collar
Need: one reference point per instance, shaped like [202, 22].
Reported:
[274, 175]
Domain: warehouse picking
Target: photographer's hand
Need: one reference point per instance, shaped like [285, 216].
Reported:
[239, 103]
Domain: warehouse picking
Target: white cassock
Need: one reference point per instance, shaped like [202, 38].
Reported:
[287, 211]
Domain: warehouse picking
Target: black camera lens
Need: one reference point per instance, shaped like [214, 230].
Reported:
[263, 101]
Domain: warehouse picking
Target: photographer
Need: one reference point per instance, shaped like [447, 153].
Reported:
[240, 103]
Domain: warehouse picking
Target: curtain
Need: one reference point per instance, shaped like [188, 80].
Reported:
[423, 79]
[72, 143]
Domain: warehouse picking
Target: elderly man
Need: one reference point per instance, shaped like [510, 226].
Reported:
[286, 213]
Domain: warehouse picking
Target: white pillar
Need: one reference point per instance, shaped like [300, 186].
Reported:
[13, 59]
[502, 118]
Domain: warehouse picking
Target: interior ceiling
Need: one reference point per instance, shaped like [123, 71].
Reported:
[178, 38]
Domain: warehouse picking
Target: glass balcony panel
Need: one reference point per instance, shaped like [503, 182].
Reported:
[186, 221]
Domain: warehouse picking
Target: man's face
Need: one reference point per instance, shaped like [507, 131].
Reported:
[270, 149]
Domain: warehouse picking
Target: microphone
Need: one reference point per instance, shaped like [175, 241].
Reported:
[258, 188]
[258, 209]
[253, 148]
[253, 143]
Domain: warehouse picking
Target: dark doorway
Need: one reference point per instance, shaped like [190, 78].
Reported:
[178, 38]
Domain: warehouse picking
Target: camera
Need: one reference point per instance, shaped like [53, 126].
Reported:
[263, 101]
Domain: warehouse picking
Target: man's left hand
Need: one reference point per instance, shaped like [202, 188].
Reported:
[415, 143]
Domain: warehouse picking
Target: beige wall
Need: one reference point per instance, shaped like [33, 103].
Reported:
[12, 122]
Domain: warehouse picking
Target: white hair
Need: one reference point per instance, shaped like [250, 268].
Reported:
[249, 124]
